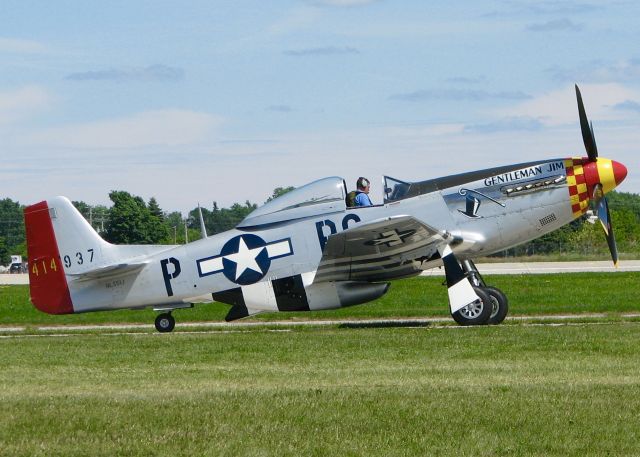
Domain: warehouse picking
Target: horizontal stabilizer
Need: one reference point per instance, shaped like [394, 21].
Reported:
[108, 271]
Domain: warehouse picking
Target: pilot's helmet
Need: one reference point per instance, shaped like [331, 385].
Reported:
[362, 183]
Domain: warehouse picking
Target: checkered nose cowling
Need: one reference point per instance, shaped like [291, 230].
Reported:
[583, 175]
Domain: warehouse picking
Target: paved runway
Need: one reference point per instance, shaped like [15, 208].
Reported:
[7, 279]
[225, 327]
[548, 267]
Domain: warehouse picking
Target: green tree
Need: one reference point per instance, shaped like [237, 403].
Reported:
[131, 222]
[155, 209]
[5, 255]
[158, 230]
[12, 225]
[219, 220]
[584, 238]
[82, 207]
[175, 226]
[95, 215]
[279, 191]
[626, 228]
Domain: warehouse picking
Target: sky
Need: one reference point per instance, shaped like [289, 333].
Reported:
[202, 101]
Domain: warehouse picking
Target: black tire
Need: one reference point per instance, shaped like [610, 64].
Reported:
[500, 305]
[477, 313]
[165, 322]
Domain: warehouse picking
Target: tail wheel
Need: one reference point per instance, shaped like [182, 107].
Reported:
[476, 313]
[500, 306]
[165, 322]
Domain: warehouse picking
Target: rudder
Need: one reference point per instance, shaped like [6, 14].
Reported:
[47, 282]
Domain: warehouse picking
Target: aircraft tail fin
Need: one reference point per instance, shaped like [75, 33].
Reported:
[59, 242]
[47, 282]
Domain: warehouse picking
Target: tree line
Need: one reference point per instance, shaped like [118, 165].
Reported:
[131, 220]
[585, 239]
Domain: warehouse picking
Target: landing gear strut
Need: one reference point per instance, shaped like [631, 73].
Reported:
[500, 304]
[165, 322]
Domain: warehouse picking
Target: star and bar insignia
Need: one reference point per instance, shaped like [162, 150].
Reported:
[245, 259]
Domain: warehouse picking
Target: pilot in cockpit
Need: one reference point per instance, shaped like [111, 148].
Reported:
[360, 197]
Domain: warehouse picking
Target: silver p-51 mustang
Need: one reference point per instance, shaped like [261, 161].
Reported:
[307, 250]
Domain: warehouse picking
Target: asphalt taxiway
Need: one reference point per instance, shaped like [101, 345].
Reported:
[200, 327]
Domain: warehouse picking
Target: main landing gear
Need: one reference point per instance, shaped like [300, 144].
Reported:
[493, 307]
[165, 322]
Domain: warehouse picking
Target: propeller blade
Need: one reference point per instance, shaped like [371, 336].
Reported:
[603, 216]
[602, 211]
[587, 131]
[593, 140]
[599, 208]
[611, 240]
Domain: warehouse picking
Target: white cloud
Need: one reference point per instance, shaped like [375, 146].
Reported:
[297, 19]
[13, 45]
[157, 72]
[346, 2]
[600, 71]
[422, 131]
[458, 95]
[150, 128]
[560, 107]
[556, 25]
[22, 103]
[322, 51]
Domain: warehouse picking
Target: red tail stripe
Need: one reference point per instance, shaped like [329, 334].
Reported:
[47, 282]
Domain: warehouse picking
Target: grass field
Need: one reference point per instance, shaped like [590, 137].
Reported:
[573, 293]
[518, 389]
[504, 390]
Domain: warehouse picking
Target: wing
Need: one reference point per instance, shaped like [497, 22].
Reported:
[386, 249]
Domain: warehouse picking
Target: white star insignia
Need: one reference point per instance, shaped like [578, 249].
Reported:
[245, 259]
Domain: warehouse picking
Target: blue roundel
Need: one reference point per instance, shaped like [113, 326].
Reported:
[245, 259]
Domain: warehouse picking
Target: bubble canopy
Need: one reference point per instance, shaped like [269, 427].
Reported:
[323, 196]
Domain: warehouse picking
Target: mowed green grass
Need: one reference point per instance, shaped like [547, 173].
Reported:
[568, 390]
[574, 293]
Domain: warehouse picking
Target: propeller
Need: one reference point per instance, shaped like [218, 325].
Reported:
[587, 130]
[602, 212]
[599, 200]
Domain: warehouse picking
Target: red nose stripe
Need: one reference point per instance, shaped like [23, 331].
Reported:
[47, 282]
[591, 175]
[619, 171]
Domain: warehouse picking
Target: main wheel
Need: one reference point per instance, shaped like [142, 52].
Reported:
[476, 313]
[165, 322]
[500, 305]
